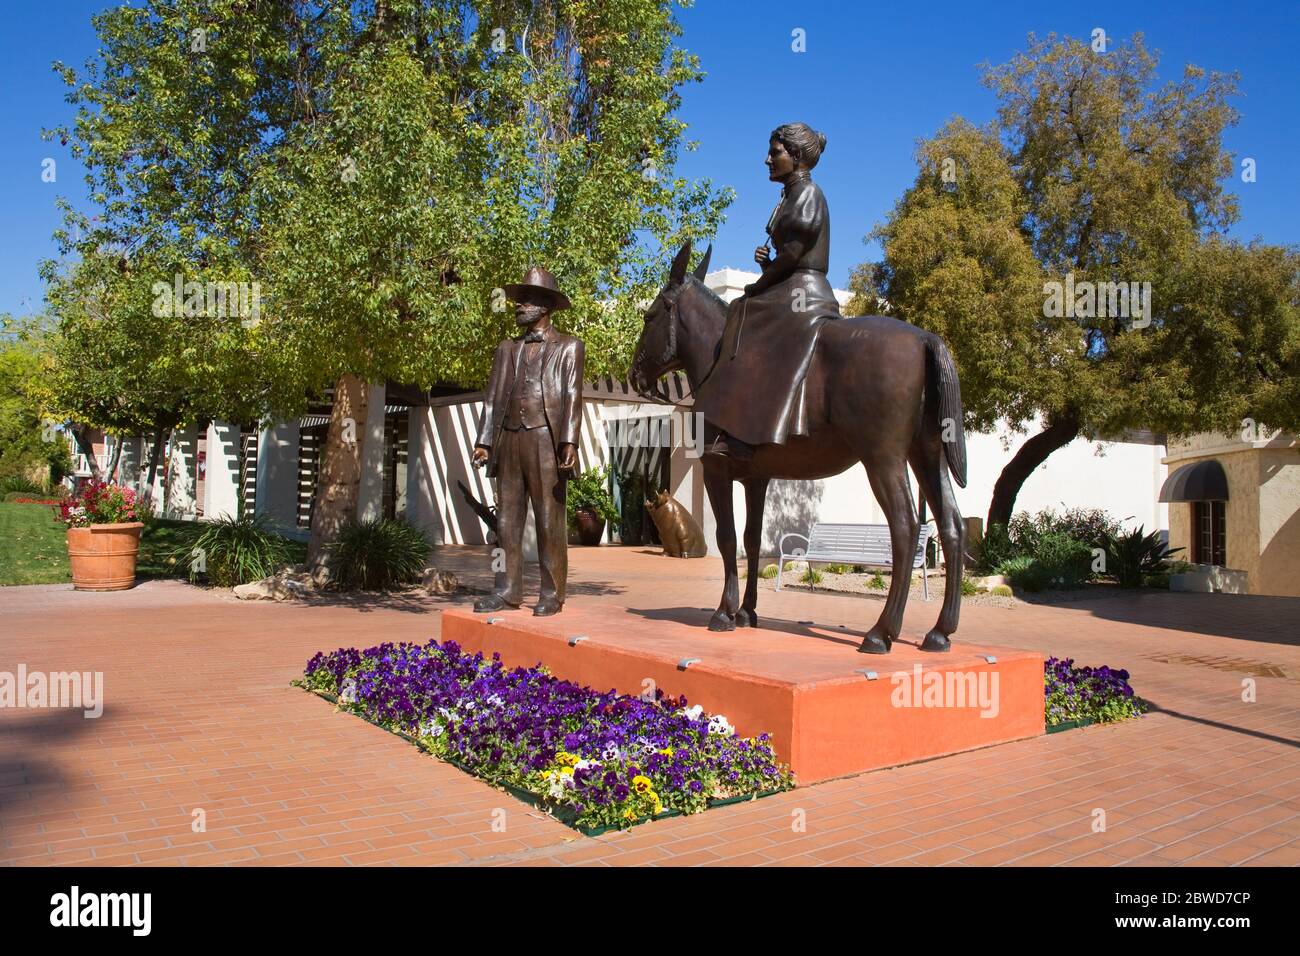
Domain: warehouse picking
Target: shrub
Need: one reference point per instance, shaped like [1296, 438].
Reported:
[1089, 525]
[1099, 694]
[768, 573]
[838, 569]
[969, 588]
[1022, 571]
[231, 551]
[1001, 590]
[877, 582]
[1133, 556]
[591, 490]
[377, 554]
[17, 484]
[811, 576]
[994, 549]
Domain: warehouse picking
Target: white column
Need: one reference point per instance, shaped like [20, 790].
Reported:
[277, 477]
[179, 502]
[370, 496]
[221, 482]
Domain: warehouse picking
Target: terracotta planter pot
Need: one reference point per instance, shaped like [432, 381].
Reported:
[103, 555]
[591, 526]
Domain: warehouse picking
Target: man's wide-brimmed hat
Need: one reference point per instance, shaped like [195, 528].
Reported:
[539, 287]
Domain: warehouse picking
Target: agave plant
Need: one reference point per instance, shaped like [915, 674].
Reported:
[1132, 555]
[377, 554]
[232, 551]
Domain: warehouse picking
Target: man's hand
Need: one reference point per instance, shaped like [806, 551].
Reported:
[480, 456]
[568, 456]
[763, 255]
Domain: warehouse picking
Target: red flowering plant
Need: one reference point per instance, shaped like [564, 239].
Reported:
[99, 502]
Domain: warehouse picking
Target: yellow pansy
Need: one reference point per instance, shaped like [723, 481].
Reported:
[641, 784]
[667, 751]
[566, 771]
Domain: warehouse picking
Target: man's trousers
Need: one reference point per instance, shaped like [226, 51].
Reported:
[527, 470]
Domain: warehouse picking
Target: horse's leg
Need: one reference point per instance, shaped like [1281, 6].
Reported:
[932, 475]
[888, 476]
[717, 483]
[755, 499]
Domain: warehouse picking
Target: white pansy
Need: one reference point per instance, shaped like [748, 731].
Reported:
[693, 713]
[718, 724]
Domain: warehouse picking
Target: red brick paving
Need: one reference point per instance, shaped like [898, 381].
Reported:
[199, 715]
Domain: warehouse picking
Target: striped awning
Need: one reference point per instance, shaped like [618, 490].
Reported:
[1200, 481]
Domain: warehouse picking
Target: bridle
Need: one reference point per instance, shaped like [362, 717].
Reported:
[659, 390]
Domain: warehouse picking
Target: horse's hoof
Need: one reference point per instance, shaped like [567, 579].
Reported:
[722, 621]
[746, 617]
[934, 641]
[875, 643]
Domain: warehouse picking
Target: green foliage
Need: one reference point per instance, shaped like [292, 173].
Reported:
[1089, 525]
[234, 551]
[18, 485]
[377, 555]
[995, 548]
[768, 573]
[1059, 562]
[1134, 555]
[811, 576]
[838, 568]
[969, 588]
[876, 582]
[1095, 170]
[24, 449]
[591, 490]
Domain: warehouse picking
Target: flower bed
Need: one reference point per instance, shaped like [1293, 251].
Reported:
[1086, 695]
[595, 760]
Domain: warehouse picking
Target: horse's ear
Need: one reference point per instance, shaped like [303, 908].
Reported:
[702, 269]
[678, 271]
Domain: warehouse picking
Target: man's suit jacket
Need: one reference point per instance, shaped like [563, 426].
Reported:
[562, 370]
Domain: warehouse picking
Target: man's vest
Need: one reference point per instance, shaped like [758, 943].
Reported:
[524, 409]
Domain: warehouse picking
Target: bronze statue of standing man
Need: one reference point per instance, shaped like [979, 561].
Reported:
[529, 438]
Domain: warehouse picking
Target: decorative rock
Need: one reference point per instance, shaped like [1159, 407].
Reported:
[278, 587]
[321, 576]
[438, 582]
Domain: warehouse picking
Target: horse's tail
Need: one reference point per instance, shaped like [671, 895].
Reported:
[943, 375]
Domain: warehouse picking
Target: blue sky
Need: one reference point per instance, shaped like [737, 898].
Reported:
[874, 78]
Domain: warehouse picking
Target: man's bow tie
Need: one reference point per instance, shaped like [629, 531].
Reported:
[534, 336]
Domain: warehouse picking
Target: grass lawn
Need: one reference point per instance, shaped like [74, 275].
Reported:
[34, 549]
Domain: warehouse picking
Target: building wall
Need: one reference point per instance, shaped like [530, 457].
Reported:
[1279, 522]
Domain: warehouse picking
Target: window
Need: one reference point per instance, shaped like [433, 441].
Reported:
[1209, 539]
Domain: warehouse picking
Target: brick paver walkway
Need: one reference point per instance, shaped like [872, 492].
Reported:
[199, 716]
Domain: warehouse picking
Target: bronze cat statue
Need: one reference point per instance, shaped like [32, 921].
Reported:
[678, 531]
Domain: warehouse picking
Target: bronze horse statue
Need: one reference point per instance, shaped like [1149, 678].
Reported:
[878, 391]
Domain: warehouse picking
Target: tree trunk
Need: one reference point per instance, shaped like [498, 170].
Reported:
[111, 471]
[1060, 431]
[147, 491]
[87, 448]
[339, 486]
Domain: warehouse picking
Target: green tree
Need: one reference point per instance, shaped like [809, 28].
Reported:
[1092, 173]
[30, 446]
[383, 171]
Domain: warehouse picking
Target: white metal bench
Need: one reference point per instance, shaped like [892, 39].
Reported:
[865, 544]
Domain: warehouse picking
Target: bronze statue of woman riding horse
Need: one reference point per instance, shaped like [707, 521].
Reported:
[788, 389]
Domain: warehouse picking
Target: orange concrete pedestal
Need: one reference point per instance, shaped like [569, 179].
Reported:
[803, 684]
